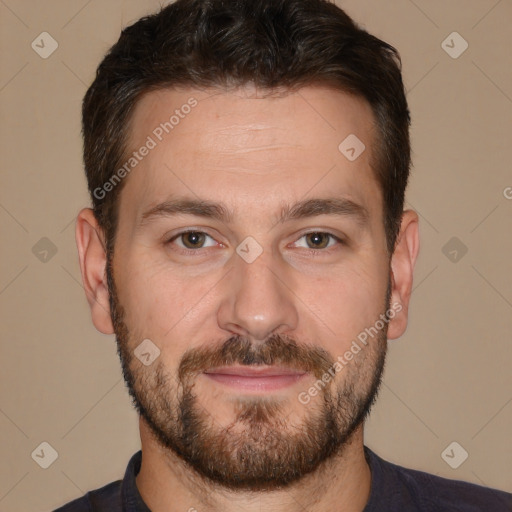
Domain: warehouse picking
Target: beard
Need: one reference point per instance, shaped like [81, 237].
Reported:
[261, 449]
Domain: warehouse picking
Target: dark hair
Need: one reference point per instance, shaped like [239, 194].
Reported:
[228, 43]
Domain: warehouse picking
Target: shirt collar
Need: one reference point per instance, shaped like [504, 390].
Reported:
[132, 500]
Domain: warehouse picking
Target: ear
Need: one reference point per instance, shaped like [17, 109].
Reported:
[93, 261]
[402, 267]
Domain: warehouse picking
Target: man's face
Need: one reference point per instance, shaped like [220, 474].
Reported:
[250, 291]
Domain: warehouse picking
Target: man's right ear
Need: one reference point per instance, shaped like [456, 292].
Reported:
[93, 261]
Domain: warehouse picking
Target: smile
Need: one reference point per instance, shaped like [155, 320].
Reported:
[259, 379]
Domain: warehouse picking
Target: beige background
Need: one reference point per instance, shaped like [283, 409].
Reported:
[447, 379]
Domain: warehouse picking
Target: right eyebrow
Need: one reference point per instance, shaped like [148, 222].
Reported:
[199, 208]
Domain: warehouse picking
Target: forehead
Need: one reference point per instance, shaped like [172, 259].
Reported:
[248, 150]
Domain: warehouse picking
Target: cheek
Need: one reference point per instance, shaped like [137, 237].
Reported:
[345, 303]
[164, 305]
[146, 295]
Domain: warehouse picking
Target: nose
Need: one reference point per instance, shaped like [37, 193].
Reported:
[258, 300]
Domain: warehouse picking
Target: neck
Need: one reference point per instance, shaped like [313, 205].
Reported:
[167, 483]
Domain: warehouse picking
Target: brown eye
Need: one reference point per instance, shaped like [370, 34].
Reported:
[318, 240]
[193, 239]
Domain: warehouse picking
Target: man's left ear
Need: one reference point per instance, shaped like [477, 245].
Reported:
[402, 267]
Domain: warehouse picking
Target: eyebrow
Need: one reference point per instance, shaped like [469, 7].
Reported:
[335, 206]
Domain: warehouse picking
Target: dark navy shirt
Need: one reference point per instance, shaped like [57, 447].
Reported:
[393, 489]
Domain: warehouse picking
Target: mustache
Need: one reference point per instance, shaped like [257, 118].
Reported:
[276, 350]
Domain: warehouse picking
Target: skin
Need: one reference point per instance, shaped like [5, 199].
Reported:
[252, 153]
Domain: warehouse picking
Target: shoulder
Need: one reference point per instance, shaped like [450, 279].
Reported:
[417, 490]
[446, 494]
[106, 498]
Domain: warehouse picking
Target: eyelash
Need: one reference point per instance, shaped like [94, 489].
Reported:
[312, 252]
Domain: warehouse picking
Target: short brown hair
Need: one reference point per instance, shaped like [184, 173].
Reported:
[228, 43]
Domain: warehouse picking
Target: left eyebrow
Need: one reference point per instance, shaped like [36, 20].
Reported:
[340, 207]
[336, 206]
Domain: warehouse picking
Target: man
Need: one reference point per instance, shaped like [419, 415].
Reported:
[247, 163]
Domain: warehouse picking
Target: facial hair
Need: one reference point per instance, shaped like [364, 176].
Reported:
[259, 450]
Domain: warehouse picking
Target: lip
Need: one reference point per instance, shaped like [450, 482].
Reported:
[254, 371]
[256, 379]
